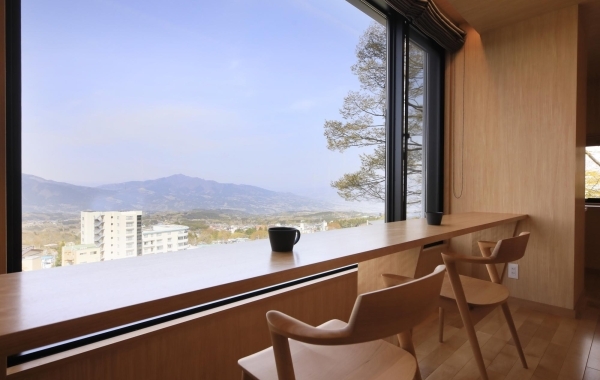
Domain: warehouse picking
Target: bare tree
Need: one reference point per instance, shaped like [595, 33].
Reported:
[363, 121]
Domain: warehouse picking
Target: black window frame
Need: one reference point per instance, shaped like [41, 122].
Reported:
[399, 32]
[433, 134]
[14, 229]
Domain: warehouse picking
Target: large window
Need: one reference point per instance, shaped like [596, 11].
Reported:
[150, 127]
[423, 126]
[414, 124]
[415, 184]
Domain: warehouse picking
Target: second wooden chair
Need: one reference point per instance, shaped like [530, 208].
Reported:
[353, 350]
[473, 297]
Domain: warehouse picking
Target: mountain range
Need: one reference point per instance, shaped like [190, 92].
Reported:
[174, 193]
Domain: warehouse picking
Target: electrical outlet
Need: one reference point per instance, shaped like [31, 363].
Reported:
[513, 270]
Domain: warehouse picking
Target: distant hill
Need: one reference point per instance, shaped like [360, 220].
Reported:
[42, 195]
[174, 193]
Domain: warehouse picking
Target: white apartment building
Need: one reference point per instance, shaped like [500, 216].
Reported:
[118, 234]
[165, 238]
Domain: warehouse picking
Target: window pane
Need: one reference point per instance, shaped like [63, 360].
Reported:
[153, 127]
[416, 121]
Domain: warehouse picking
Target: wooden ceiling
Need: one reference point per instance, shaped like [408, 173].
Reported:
[484, 15]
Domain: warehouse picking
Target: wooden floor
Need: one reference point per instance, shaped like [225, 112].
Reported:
[555, 347]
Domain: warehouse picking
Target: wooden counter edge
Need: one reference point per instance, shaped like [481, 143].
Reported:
[38, 337]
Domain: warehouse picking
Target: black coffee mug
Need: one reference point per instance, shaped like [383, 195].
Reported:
[283, 239]
[434, 218]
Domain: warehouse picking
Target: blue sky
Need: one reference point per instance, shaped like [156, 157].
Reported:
[233, 91]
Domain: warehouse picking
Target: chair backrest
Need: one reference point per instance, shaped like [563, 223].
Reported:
[386, 312]
[511, 249]
[376, 315]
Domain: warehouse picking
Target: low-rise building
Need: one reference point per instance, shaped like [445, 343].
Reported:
[48, 260]
[165, 238]
[32, 262]
[73, 254]
[33, 259]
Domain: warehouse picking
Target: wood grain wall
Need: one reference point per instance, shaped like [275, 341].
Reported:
[2, 142]
[580, 139]
[593, 112]
[205, 346]
[514, 148]
[415, 263]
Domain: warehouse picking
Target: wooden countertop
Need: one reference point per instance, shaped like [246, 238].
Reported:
[46, 306]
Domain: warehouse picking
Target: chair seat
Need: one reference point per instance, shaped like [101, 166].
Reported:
[370, 360]
[478, 292]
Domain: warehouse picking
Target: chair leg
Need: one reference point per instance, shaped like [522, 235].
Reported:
[474, 342]
[441, 322]
[246, 376]
[513, 332]
[465, 314]
[406, 343]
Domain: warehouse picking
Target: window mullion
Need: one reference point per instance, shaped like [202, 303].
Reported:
[394, 118]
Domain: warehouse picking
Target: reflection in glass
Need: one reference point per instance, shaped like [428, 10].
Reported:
[416, 94]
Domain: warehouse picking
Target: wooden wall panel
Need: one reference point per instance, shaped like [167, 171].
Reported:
[429, 259]
[205, 347]
[402, 263]
[491, 234]
[589, 16]
[593, 112]
[514, 147]
[580, 137]
[2, 142]
[413, 263]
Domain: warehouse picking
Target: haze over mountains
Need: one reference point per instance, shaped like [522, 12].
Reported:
[175, 193]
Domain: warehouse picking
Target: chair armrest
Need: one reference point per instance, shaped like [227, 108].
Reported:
[457, 257]
[289, 327]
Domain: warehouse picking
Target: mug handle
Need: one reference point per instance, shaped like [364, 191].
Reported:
[298, 238]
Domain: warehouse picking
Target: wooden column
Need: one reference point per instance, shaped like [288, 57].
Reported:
[2, 141]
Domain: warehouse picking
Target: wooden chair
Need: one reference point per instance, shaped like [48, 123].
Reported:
[353, 350]
[475, 298]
